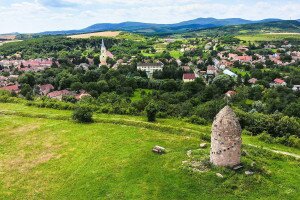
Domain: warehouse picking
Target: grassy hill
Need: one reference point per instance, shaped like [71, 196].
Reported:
[250, 29]
[44, 155]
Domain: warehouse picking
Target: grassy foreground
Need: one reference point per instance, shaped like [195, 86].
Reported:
[46, 156]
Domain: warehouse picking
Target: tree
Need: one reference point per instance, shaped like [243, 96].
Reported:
[151, 110]
[224, 82]
[26, 91]
[83, 115]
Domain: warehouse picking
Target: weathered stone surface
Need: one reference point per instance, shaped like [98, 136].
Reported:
[226, 139]
[219, 175]
[203, 145]
[159, 150]
[249, 172]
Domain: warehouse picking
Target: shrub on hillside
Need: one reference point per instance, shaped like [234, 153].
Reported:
[83, 115]
[151, 110]
[197, 120]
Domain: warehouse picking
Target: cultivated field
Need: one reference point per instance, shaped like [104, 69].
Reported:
[98, 34]
[269, 37]
[44, 155]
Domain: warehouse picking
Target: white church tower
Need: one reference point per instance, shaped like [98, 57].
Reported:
[103, 55]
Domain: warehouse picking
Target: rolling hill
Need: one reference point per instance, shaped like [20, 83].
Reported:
[288, 26]
[139, 27]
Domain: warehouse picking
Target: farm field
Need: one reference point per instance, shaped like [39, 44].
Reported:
[98, 34]
[43, 155]
[269, 37]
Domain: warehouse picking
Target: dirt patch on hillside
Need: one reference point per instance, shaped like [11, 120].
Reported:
[98, 34]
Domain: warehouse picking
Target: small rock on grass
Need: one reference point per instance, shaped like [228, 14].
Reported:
[203, 145]
[219, 175]
[159, 150]
[249, 172]
[237, 167]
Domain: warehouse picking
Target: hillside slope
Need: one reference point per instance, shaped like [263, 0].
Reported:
[255, 28]
[45, 156]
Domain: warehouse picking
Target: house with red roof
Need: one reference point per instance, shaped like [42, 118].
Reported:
[188, 77]
[230, 93]
[58, 94]
[11, 88]
[278, 82]
[252, 81]
[211, 70]
[45, 89]
[244, 58]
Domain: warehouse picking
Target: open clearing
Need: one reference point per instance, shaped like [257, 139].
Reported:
[44, 155]
[98, 34]
[269, 37]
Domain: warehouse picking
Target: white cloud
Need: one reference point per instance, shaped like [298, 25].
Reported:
[44, 15]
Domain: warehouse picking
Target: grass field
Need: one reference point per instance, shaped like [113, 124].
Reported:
[269, 37]
[44, 155]
[98, 34]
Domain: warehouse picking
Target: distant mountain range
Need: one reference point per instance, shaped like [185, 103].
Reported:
[150, 28]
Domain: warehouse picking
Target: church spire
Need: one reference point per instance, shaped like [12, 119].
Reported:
[102, 45]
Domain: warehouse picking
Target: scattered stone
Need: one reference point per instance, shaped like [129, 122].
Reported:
[159, 150]
[237, 167]
[219, 175]
[203, 145]
[185, 162]
[249, 172]
[189, 153]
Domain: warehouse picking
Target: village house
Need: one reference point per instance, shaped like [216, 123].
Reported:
[276, 59]
[278, 82]
[150, 68]
[225, 64]
[230, 93]
[186, 68]
[242, 49]
[188, 77]
[58, 94]
[45, 89]
[211, 71]
[252, 81]
[230, 73]
[11, 88]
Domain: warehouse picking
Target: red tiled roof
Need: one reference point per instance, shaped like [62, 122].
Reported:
[279, 81]
[189, 76]
[231, 93]
[10, 88]
[245, 58]
[46, 87]
[211, 68]
[58, 93]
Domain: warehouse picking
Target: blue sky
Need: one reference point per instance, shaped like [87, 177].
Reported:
[28, 16]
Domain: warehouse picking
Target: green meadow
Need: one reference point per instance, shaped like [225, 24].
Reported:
[269, 37]
[45, 155]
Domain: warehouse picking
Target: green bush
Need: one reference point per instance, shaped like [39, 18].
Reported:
[265, 137]
[151, 110]
[83, 115]
[197, 120]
